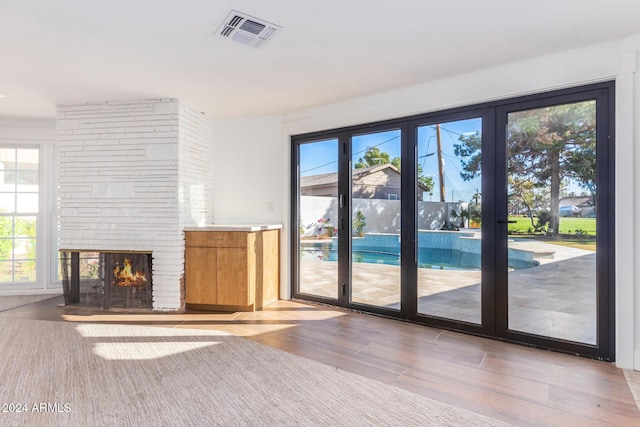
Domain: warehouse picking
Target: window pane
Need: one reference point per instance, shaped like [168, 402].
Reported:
[6, 249]
[25, 249]
[25, 271]
[25, 226]
[28, 159]
[375, 219]
[8, 179]
[6, 227]
[7, 202]
[6, 271]
[318, 201]
[27, 203]
[7, 158]
[552, 207]
[449, 178]
[28, 179]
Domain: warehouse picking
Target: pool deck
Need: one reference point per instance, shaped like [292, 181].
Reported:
[556, 298]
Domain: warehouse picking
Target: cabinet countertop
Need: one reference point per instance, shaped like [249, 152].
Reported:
[235, 227]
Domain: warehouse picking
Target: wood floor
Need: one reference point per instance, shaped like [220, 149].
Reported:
[512, 383]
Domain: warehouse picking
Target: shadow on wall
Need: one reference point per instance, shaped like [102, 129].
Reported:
[382, 216]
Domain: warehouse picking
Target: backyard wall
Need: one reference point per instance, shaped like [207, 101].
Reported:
[382, 216]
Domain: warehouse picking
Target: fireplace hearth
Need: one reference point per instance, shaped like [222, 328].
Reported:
[107, 279]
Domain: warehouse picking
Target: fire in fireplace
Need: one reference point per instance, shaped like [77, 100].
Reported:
[126, 277]
[107, 279]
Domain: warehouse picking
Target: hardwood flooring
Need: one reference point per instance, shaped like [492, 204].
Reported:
[508, 382]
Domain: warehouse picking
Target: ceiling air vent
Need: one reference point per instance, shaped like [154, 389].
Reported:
[246, 29]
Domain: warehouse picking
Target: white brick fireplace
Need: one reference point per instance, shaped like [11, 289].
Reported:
[131, 176]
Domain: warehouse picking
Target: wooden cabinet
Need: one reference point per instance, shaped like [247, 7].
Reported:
[232, 270]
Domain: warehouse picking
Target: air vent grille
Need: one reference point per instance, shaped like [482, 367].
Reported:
[246, 29]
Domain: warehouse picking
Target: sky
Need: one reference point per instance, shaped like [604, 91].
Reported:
[322, 156]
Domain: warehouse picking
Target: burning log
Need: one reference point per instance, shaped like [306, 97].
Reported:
[126, 277]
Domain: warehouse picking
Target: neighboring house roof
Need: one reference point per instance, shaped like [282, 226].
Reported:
[332, 178]
[320, 179]
[579, 201]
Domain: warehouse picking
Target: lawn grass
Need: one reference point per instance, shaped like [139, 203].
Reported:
[567, 236]
[568, 225]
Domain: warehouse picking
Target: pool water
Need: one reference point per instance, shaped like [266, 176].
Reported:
[440, 259]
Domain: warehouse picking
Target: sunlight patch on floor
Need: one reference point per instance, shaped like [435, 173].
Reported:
[146, 350]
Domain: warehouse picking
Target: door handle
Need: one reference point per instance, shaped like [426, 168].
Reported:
[341, 201]
[502, 221]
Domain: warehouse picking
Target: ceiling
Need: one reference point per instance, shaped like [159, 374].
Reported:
[76, 51]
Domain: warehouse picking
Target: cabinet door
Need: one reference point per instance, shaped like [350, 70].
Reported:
[233, 283]
[200, 277]
[267, 268]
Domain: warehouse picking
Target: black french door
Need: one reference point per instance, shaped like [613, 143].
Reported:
[495, 219]
[559, 150]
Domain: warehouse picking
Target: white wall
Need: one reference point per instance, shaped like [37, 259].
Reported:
[248, 172]
[615, 60]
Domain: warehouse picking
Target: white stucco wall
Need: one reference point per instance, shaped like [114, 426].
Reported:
[249, 171]
[615, 60]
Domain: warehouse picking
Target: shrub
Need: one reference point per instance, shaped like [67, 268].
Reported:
[543, 220]
[359, 222]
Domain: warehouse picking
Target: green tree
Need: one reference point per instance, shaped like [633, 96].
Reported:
[580, 164]
[544, 146]
[372, 157]
[426, 181]
[470, 152]
[551, 143]
[397, 162]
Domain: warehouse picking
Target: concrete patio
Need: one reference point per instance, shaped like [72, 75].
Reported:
[555, 299]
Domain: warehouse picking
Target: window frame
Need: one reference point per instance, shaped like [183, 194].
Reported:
[46, 248]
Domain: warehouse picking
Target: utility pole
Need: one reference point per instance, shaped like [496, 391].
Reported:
[440, 165]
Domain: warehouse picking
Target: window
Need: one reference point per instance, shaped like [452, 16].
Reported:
[19, 207]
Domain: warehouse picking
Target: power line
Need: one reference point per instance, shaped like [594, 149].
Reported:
[374, 146]
[318, 167]
[353, 155]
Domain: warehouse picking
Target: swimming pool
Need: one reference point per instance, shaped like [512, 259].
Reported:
[438, 259]
[436, 250]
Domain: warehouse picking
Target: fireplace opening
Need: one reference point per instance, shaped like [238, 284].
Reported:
[107, 279]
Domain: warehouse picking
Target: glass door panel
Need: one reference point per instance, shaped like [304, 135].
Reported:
[375, 219]
[318, 212]
[552, 211]
[449, 204]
